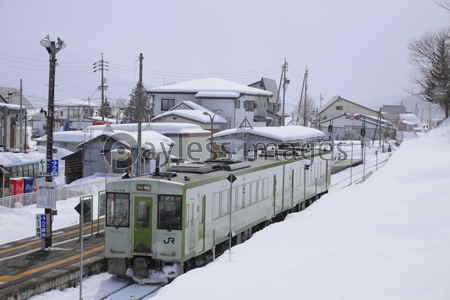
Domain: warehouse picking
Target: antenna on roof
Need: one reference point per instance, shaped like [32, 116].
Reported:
[108, 128]
[245, 124]
[274, 123]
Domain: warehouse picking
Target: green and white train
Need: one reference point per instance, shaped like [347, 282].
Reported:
[164, 225]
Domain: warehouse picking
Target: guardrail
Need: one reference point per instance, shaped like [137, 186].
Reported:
[62, 193]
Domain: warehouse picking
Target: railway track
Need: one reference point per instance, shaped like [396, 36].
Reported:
[132, 291]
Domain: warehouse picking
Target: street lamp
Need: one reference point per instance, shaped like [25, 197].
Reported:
[212, 122]
[52, 49]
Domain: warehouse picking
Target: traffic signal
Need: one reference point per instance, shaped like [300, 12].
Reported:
[363, 132]
[330, 128]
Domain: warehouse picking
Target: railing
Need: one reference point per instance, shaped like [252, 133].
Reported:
[62, 193]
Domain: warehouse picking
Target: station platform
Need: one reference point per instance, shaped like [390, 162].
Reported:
[341, 165]
[26, 270]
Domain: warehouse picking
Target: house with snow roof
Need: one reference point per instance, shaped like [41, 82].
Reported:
[273, 103]
[409, 122]
[346, 126]
[116, 152]
[190, 112]
[235, 101]
[70, 114]
[190, 139]
[10, 126]
[337, 105]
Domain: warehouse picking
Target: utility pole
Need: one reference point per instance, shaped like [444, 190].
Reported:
[52, 49]
[138, 172]
[21, 118]
[101, 65]
[306, 87]
[285, 82]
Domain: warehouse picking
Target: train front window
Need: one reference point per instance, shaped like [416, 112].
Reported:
[169, 212]
[117, 210]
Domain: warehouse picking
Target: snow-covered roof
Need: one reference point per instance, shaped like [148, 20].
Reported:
[10, 159]
[71, 136]
[217, 95]
[99, 119]
[284, 134]
[12, 95]
[10, 106]
[210, 85]
[158, 127]
[196, 115]
[410, 119]
[336, 98]
[75, 102]
[150, 140]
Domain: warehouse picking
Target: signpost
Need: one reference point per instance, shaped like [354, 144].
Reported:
[82, 208]
[231, 179]
[46, 196]
[54, 168]
[42, 228]
[42, 167]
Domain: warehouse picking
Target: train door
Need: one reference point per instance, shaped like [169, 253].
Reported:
[142, 224]
[201, 223]
[190, 224]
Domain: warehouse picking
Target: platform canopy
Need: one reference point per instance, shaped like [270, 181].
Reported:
[295, 135]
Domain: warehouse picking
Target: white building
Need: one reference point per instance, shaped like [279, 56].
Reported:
[235, 101]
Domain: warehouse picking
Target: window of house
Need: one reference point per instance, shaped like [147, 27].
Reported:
[167, 104]
[339, 107]
[237, 104]
[249, 105]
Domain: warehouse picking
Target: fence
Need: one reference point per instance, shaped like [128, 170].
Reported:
[62, 193]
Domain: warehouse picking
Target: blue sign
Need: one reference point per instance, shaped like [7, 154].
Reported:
[54, 168]
[43, 226]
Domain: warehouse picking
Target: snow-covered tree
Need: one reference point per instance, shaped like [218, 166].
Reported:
[133, 108]
[430, 57]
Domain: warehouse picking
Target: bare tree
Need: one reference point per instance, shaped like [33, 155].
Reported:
[430, 58]
[118, 106]
[298, 115]
[445, 4]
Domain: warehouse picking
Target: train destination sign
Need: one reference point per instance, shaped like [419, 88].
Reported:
[143, 187]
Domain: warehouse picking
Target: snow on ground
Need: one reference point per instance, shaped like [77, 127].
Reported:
[388, 238]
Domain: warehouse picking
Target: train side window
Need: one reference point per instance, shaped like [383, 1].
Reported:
[216, 205]
[287, 181]
[260, 190]
[117, 210]
[225, 204]
[239, 197]
[170, 212]
[253, 192]
[265, 188]
[143, 214]
[234, 203]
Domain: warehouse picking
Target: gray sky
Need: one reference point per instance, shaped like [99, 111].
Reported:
[353, 48]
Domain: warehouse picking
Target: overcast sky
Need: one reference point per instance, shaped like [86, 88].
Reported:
[353, 48]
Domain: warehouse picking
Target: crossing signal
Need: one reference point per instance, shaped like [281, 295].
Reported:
[363, 132]
[330, 128]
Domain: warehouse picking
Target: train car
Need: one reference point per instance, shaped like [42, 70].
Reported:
[161, 226]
